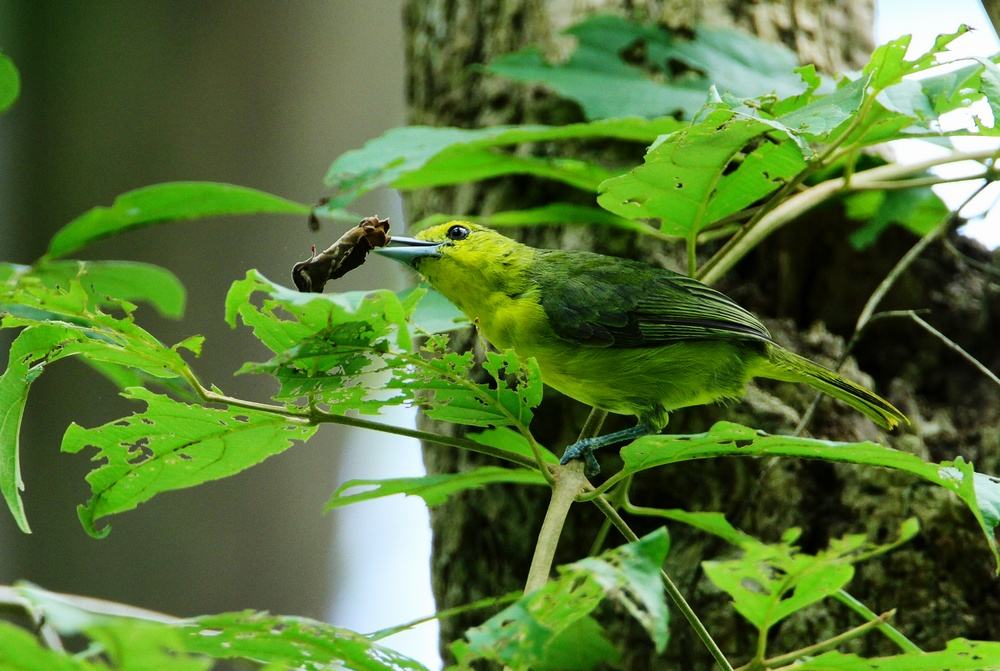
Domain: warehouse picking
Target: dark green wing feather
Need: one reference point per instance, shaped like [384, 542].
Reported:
[603, 301]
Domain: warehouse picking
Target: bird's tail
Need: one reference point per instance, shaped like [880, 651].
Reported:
[790, 367]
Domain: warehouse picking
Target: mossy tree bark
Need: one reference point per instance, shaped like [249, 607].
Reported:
[811, 285]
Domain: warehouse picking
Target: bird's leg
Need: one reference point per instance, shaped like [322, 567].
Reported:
[586, 447]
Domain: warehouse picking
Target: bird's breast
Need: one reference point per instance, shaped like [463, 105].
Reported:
[510, 321]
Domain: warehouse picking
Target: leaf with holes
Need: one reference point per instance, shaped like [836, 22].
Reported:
[979, 492]
[110, 282]
[959, 655]
[532, 632]
[62, 323]
[147, 640]
[172, 445]
[421, 156]
[341, 355]
[771, 581]
[698, 175]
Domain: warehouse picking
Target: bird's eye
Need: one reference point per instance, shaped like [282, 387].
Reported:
[457, 233]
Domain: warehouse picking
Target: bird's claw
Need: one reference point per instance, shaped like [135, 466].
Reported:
[582, 449]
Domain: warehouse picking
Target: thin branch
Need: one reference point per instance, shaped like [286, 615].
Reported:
[864, 318]
[890, 632]
[479, 604]
[828, 644]
[609, 511]
[916, 182]
[318, 417]
[948, 342]
[965, 258]
[759, 228]
[618, 498]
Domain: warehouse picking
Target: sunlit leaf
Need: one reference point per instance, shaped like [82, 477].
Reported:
[289, 642]
[161, 203]
[119, 281]
[695, 176]
[173, 445]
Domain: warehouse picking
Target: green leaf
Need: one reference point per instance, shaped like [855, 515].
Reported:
[29, 353]
[136, 645]
[344, 355]
[99, 336]
[596, 76]
[143, 640]
[695, 176]
[709, 522]
[630, 574]
[828, 112]
[959, 655]
[772, 581]
[980, 494]
[581, 645]
[535, 631]
[10, 82]
[289, 642]
[418, 156]
[552, 214]
[162, 203]
[506, 439]
[173, 445]
[917, 210]
[119, 281]
[603, 88]
[888, 64]
[21, 650]
[433, 489]
[433, 312]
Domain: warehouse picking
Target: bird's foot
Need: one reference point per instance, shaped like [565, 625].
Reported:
[583, 449]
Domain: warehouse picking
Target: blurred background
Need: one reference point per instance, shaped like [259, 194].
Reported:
[119, 95]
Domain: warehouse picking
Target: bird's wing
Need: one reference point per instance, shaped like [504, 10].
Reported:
[602, 301]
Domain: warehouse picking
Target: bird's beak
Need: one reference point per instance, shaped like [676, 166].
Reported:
[409, 250]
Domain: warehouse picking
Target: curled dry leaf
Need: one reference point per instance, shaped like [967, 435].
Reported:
[341, 257]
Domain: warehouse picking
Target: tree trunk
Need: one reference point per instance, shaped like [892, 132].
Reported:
[806, 280]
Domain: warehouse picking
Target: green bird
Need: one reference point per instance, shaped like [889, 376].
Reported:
[617, 334]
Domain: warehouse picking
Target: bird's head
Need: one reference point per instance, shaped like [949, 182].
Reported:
[458, 246]
[460, 257]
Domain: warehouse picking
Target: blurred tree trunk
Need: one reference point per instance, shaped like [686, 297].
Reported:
[806, 280]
